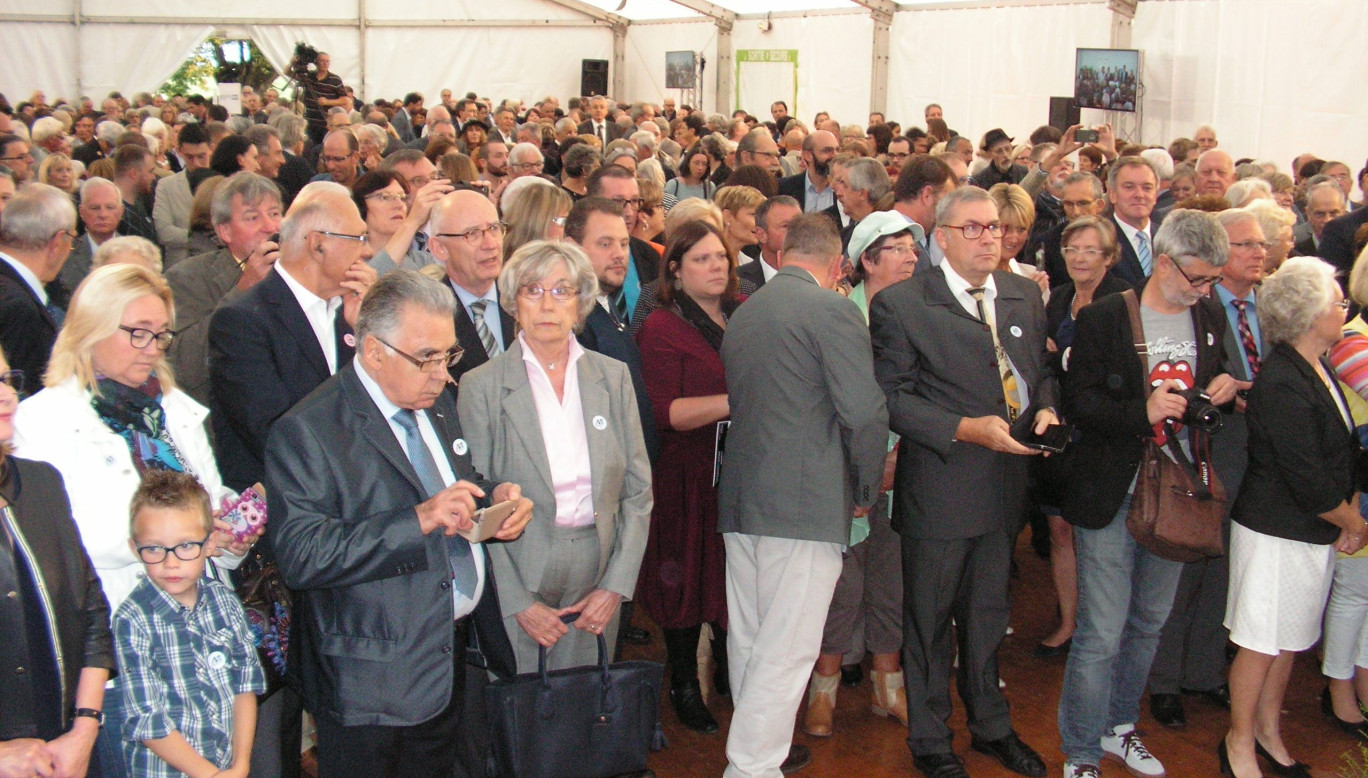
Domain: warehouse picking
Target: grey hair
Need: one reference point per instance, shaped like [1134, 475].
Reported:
[1084, 175]
[1160, 161]
[566, 125]
[45, 129]
[1248, 170]
[1273, 218]
[36, 214]
[251, 188]
[617, 154]
[1186, 234]
[524, 152]
[1234, 217]
[1247, 189]
[260, 136]
[865, 174]
[109, 131]
[387, 299]
[376, 135]
[650, 169]
[91, 184]
[1291, 299]
[643, 139]
[1328, 183]
[312, 210]
[290, 127]
[128, 244]
[957, 197]
[534, 261]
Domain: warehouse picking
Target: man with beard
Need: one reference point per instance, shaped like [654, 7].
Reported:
[1001, 169]
[813, 187]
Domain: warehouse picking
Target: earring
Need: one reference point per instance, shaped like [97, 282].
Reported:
[677, 286]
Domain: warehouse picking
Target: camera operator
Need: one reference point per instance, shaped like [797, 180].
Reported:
[1124, 591]
[320, 90]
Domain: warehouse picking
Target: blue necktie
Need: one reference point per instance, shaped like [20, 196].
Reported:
[1143, 253]
[463, 574]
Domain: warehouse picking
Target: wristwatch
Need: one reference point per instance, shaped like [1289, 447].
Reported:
[90, 713]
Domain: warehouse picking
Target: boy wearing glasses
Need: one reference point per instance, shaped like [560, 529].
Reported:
[185, 698]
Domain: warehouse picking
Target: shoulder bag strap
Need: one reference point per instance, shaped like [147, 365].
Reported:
[1138, 335]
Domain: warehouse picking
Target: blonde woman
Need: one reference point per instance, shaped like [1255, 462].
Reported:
[538, 212]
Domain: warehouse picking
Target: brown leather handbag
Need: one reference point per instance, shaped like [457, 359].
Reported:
[1178, 507]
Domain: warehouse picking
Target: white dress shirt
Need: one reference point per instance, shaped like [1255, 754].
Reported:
[960, 288]
[563, 435]
[464, 605]
[321, 314]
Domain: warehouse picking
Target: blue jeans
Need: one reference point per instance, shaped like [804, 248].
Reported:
[106, 758]
[1125, 594]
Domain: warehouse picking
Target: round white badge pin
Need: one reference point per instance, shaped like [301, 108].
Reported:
[217, 660]
[459, 447]
[350, 340]
[600, 423]
[1016, 331]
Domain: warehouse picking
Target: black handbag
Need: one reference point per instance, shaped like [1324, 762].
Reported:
[581, 722]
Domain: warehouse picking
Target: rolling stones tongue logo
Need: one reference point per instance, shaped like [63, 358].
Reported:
[1165, 371]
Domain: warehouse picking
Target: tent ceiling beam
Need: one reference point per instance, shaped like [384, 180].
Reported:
[219, 22]
[592, 12]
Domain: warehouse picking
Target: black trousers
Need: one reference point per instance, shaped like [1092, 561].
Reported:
[425, 750]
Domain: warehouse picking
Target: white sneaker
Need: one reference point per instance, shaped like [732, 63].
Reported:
[1081, 771]
[1123, 745]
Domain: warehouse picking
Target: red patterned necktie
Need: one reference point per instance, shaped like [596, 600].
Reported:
[1251, 347]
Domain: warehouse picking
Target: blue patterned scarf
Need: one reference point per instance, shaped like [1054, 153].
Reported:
[136, 414]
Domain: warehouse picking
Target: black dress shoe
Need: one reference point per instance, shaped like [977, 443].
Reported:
[692, 711]
[940, 766]
[798, 758]
[852, 675]
[1013, 753]
[1043, 651]
[1220, 696]
[636, 636]
[1167, 709]
[1358, 729]
[1294, 770]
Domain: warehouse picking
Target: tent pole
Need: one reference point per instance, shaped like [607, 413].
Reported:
[361, 33]
[619, 61]
[881, 11]
[80, 81]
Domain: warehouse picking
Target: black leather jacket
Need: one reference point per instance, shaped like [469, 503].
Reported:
[78, 613]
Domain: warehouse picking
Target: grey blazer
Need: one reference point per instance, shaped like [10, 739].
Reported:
[198, 285]
[936, 365]
[505, 440]
[809, 427]
[171, 215]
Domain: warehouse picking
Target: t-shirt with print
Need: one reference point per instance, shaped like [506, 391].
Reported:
[1172, 348]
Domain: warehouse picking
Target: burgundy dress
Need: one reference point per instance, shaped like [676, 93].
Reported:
[683, 575]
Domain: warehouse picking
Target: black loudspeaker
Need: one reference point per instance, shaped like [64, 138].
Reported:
[593, 77]
[1063, 113]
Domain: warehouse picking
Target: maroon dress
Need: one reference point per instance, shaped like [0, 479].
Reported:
[683, 575]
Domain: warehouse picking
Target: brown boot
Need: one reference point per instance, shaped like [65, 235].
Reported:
[821, 704]
[890, 699]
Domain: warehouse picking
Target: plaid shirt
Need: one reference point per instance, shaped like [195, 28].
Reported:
[179, 670]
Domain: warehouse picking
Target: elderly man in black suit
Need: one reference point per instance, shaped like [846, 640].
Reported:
[1325, 202]
[960, 353]
[369, 481]
[1337, 241]
[465, 233]
[600, 124]
[35, 238]
[1126, 592]
[809, 432]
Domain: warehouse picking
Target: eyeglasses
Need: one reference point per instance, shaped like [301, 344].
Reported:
[1073, 251]
[900, 251]
[634, 202]
[188, 551]
[1343, 305]
[329, 159]
[529, 167]
[974, 230]
[362, 238]
[26, 155]
[474, 235]
[14, 379]
[1198, 281]
[445, 360]
[1077, 203]
[1251, 244]
[141, 338]
[771, 154]
[387, 197]
[71, 235]
[560, 294]
[898, 157]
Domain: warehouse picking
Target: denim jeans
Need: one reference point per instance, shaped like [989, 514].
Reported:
[1125, 594]
[106, 757]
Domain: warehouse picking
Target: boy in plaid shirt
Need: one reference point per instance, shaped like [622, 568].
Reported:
[185, 699]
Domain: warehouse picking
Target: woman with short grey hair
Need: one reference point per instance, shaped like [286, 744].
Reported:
[1297, 506]
[562, 422]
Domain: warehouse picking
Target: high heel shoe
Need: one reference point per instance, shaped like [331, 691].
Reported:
[1223, 757]
[1358, 729]
[1294, 770]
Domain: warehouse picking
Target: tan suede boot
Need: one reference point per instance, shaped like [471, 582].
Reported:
[890, 699]
[821, 704]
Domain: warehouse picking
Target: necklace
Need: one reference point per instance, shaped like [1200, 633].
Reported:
[550, 365]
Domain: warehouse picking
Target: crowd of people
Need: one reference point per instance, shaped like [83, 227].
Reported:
[772, 381]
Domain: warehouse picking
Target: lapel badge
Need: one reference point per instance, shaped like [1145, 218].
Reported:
[600, 423]
[459, 447]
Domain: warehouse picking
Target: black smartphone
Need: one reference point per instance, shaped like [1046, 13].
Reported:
[1085, 136]
[1054, 439]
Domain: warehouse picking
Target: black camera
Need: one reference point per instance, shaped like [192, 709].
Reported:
[304, 56]
[1200, 413]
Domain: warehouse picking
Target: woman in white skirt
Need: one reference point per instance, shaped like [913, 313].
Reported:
[1296, 507]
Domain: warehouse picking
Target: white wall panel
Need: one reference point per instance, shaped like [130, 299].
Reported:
[645, 59]
[834, 58]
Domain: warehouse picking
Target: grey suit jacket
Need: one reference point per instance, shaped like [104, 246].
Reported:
[505, 441]
[936, 365]
[77, 265]
[171, 215]
[809, 427]
[198, 285]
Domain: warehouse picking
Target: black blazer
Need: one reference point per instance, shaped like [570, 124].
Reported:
[587, 128]
[1128, 268]
[263, 358]
[469, 340]
[373, 601]
[1337, 241]
[1061, 300]
[646, 259]
[604, 334]
[27, 330]
[795, 186]
[1104, 397]
[751, 271]
[1306, 247]
[80, 611]
[936, 365]
[1301, 453]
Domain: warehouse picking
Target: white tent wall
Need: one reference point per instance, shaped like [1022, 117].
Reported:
[1237, 65]
[833, 62]
[645, 61]
[989, 67]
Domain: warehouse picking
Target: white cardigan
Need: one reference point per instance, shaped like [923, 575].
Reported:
[58, 425]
